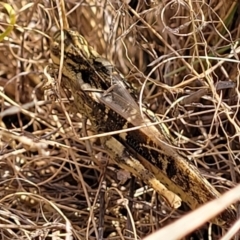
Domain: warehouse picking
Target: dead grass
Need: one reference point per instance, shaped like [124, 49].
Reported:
[183, 58]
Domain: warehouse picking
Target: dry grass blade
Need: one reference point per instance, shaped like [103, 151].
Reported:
[190, 222]
[183, 59]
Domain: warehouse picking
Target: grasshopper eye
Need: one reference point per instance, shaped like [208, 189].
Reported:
[57, 37]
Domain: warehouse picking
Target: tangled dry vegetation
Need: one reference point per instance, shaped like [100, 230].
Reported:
[184, 58]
